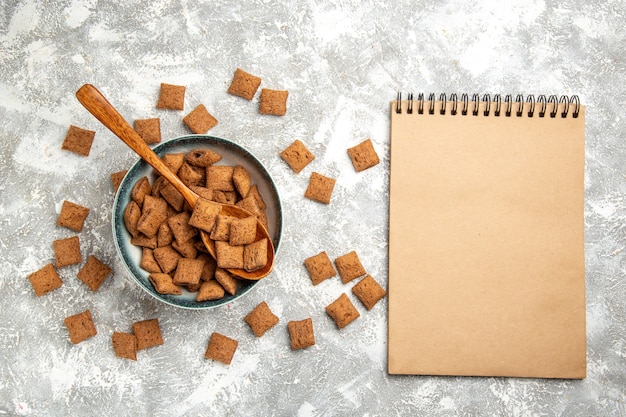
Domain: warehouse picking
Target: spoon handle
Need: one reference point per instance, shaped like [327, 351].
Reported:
[101, 109]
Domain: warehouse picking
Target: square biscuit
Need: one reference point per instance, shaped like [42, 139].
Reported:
[369, 292]
[164, 284]
[320, 188]
[244, 85]
[221, 348]
[241, 180]
[209, 291]
[199, 120]
[188, 271]
[221, 231]
[301, 333]
[167, 257]
[117, 177]
[363, 155]
[148, 333]
[149, 130]
[80, 326]
[202, 157]
[187, 249]
[180, 227]
[45, 280]
[67, 251]
[72, 216]
[173, 161]
[153, 213]
[273, 102]
[78, 140]
[191, 175]
[242, 231]
[297, 156]
[226, 280]
[131, 216]
[220, 177]
[93, 273]
[171, 97]
[255, 255]
[148, 262]
[349, 267]
[124, 345]
[319, 267]
[342, 311]
[229, 256]
[205, 214]
[144, 241]
[173, 197]
[261, 319]
[140, 190]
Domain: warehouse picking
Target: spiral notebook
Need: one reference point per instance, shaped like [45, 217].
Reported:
[486, 236]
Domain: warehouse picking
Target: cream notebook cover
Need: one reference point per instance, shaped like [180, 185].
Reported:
[486, 237]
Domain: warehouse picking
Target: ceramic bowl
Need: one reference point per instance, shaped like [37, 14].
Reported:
[232, 154]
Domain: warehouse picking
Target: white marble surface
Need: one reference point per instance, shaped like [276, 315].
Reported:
[342, 62]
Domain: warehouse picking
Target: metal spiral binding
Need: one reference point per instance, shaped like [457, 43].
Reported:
[551, 102]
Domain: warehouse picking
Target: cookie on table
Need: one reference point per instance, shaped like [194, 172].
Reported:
[124, 345]
[164, 284]
[148, 333]
[342, 311]
[369, 292]
[349, 267]
[363, 155]
[297, 156]
[319, 267]
[273, 102]
[171, 97]
[72, 216]
[301, 333]
[221, 348]
[209, 291]
[117, 177]
[244, 85]
[261, 319]
[149, 130]
[93, 273]
[199, 120]
[45, 280]
[78, 140]
[320, 188]
[67, 251]
[80, 326]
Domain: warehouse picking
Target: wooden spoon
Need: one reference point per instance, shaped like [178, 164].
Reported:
[98, 105]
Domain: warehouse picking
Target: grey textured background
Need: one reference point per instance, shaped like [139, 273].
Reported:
[342, 62]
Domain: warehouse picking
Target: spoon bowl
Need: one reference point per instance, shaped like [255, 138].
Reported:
[100, 108]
